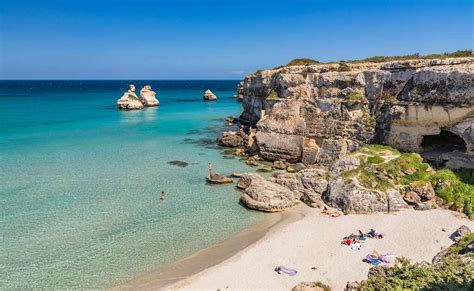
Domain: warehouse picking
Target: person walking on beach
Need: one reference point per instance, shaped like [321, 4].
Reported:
[162, 195]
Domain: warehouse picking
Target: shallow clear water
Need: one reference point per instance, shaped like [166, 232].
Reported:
[80, 181]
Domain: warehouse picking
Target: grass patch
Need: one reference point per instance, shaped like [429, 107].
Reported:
[273, 96]
[407, 168]
[355, 96]
[455, 188]
[371, 181]
[375, 160]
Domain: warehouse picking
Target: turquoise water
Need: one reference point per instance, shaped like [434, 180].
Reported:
[80, 181]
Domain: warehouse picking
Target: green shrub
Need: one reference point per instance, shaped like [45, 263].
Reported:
[451, 273]
[273, 95]
[302, 62]
[368, 119]
[343, 67]
[455, 188]
[461, 247]
[355, 96]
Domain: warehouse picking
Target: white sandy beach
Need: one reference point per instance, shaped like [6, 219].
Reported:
[314, 241]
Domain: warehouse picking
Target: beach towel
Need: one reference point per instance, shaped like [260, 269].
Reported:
[376, 259]
[356, 246]
[286, 270]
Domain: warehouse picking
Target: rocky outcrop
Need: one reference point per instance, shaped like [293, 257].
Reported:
[264, 195]
[351, 197]
[240, 91]
[457, 236]
[461, 232]
[318, 113]
[230, 139]
[363, 182]
[209, 96]
[148, 97]
[129, 100]
[283, 190]
[311, 286]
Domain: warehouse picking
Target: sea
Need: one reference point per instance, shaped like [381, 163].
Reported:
[81, 180]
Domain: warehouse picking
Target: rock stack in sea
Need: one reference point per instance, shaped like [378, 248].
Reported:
[148, 97]
[209, 96]
[129, 100]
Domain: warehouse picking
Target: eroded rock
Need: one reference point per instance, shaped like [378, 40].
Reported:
[317, 113]
[209, 96]
[349, 196]
[129, 100]
[264, 195]
[148, 97]
[460, 233]
[230, 139]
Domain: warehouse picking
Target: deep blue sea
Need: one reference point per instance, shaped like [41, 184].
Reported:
[80, 181]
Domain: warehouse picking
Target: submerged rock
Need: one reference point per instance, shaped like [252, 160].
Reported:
[230, 139]
[217, 178]
[179, 163]
[129, 100]
[148, 97]
[209, 96]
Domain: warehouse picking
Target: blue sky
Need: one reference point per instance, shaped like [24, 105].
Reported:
[215, 39]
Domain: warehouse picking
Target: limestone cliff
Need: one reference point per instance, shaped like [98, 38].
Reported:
[318, 113]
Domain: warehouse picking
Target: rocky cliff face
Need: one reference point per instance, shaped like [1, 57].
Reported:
[318, 113]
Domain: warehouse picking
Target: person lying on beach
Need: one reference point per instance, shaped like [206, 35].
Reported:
[331, 212]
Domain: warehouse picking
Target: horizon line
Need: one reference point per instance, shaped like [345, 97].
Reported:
[1, 80]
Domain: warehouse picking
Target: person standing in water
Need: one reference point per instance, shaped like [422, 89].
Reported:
[162, 195]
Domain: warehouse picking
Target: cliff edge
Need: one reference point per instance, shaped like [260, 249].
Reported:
[318, 113]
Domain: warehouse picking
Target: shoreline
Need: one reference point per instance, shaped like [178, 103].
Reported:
[179, 271]
[311, 245]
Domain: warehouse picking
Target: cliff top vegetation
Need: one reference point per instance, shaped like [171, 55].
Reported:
[380, 59]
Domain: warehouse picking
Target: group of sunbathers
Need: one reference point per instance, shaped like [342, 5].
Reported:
[354, 240]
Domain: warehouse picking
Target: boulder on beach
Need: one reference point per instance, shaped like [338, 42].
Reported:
[311, 286]
[129, 100]
[209, 96]
[148, 97]
[264, 195]
[461, 232]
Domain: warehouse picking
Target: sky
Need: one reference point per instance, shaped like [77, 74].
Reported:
[215, 39]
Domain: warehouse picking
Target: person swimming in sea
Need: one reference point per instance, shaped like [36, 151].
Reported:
[162, 195]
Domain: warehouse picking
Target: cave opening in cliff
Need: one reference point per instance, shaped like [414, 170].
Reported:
[444, 142]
